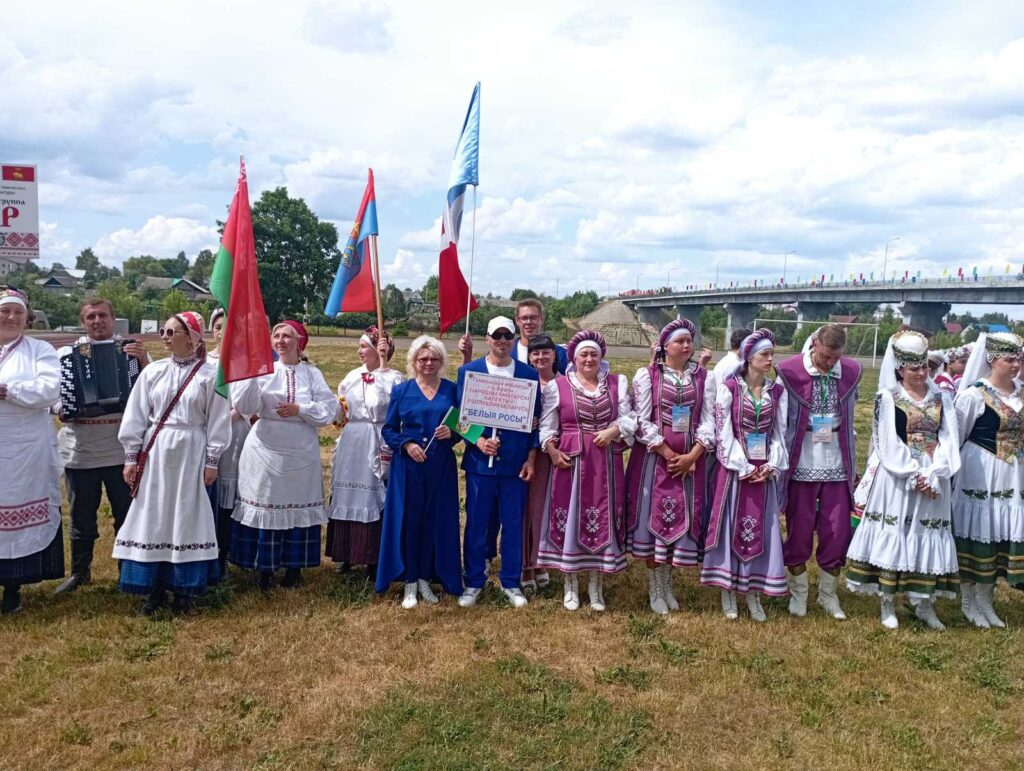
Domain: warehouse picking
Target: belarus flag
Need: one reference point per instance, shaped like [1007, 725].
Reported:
[452, 290]
[245, 351]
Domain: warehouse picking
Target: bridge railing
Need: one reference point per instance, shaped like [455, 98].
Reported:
[855, 283]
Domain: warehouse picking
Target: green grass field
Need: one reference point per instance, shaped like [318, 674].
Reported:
[331, 676]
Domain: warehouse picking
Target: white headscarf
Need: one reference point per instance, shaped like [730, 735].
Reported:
[979, 363]
[913, 343]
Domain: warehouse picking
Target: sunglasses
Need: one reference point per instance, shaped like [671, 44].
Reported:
[502, 334]
[168, 332]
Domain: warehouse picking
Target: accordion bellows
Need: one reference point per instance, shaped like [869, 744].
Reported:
[96, 378]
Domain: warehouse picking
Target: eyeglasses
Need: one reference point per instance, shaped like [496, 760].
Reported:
[502, 334]
[168, 332]
[429, 359]
[528, 318]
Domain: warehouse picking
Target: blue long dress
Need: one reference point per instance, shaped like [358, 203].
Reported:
[420, 538]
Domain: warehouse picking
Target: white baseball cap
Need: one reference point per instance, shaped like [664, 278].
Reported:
[500, 322]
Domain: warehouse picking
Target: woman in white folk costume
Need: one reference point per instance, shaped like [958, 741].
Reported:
[586, 422]
[31, 540]
[988, 496]
[904, 542]
[359, 471]
[227, 475]
[744, 537]
[280, 506]
[174, 430]
[666, 480]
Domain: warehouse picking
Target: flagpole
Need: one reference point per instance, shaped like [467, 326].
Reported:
[376, 286]
[472, 248]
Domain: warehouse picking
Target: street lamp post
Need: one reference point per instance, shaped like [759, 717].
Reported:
[785, 263]
[885, 259]
[668, 280]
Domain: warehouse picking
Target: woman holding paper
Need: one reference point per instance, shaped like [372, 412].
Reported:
[586, 422]
[362, 461]
[744, 538]
[420, 536]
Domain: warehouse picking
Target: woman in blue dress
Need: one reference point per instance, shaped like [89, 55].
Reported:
[420, 541]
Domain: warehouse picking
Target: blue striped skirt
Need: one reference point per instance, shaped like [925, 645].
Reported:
[189, 578]
[268, 550]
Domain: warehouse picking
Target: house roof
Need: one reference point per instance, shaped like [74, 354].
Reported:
[954, 327]
[164, 283]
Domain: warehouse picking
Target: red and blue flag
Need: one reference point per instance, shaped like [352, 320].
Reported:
[352, 290]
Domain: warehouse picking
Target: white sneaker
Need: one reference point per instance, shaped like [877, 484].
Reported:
[969, 606]
[798, 587]
[658, 604]
[983, 594]
[754, 606]
[426, 592]
[409, 600]
[887, 613]
[571, 599]
[468, 598]
[516, 597]
[666, 586]
[827, 597]
[595, 592]
[925, 611]
[729, 605]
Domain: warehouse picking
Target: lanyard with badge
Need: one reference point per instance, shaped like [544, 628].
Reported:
[821, 425]
[757, 440]
[680, 412]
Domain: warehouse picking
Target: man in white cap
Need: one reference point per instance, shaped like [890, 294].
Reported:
[500, 483]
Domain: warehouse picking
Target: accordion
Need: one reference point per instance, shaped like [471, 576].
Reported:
[96, 378]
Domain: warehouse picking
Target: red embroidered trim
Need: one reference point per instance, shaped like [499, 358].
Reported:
[25, 515]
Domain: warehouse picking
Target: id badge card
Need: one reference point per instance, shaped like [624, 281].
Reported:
[821, 429]
[757, 446]
[681, 418]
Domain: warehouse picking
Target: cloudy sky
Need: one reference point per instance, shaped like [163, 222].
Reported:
[620, 144]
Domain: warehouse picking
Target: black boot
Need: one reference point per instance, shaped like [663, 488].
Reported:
[81, 567]
[266, 581]
[292, 578]
[182, 604]
[371, 572]
[156, 600]
[12, 599]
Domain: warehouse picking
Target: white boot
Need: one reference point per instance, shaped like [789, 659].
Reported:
[658, 604]
[983, 594]
[887, 613]
[798, 587]
[595, 590]
[729, 605]
[754, 606]
[827, 598]
[571, 600]
[426, 592]
[409, 600]
[969, 606]
[469, 597]
[666, 586]
[925, 611]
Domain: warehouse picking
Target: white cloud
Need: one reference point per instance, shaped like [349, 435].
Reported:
[160, 237]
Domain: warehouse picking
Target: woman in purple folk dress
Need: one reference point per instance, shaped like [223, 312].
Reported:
[744, 538]
[666, 480]
[586, 422]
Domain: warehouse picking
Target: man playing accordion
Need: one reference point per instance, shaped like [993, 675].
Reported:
[95, 383]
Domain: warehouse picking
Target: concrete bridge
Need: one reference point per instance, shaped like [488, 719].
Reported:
[922, 303]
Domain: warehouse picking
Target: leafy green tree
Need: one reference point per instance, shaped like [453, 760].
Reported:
[522, 294]
[137, 268]
[784, 331]
[127, 303]
[95, 271]
[394, 304]
[202, 267]
[174, 302]
[297, 253]
[61, 309]
[175, 267]
[429, 291]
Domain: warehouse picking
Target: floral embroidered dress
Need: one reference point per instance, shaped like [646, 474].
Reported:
[280, 506]
[904, 542]
[988, 497]
[744, 537]
[584, 522]
[170, 534]
[31, 548]
[665, 514]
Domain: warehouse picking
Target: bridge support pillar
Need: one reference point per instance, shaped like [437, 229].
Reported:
[692, 312]
[924, 316]
[740, 315]
[655, 317]
[811, 311]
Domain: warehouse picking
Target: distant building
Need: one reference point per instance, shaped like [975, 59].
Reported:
[62, 280]
[954, 328]
[190, 289]
[838, 318]
[12, 265]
